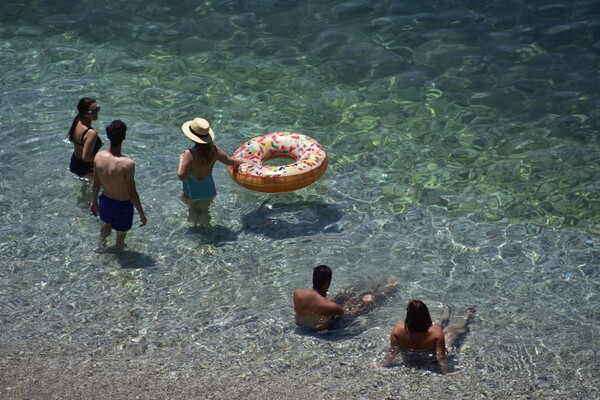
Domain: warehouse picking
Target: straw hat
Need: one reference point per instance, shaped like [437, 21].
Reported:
[198, 130]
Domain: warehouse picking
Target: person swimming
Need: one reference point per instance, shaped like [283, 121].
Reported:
[314, 310]
[417, 333]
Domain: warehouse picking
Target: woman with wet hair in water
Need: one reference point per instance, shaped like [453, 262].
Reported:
[86, 142]
[417, 333]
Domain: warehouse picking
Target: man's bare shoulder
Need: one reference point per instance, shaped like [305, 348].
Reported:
[127, 162]
[309, 301]
[103, 153]
[120, 163]
[302, 292]
[309, 296]
[102, 157]
[301, 296]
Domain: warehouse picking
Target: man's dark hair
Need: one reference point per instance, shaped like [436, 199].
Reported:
[116, 132]
[321, 275]
[418, 318]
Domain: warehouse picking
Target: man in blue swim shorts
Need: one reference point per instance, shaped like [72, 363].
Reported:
[117, 213]
[195, 170]
[116, 173]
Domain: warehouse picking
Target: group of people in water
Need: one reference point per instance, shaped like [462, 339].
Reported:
[417, 333]
[115, 174]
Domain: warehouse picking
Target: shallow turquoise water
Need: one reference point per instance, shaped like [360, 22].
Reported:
[463, 144]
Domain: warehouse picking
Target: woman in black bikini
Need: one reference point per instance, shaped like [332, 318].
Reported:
[86, 142]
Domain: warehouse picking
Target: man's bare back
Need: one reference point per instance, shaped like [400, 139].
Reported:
[309, 300]
[315, 310]
[116, 172]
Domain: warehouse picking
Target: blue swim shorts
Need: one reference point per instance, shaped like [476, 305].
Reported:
[117, 213]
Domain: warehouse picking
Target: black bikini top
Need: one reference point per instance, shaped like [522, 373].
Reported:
[99, 142]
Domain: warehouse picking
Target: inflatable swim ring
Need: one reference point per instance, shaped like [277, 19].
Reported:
[309, 156]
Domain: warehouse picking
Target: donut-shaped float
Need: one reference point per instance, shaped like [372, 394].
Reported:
[310, 162]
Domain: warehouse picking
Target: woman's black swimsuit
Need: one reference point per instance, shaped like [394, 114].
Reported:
[77, 165]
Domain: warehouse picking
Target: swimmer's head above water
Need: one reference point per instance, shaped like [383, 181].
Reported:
[418, 318]
[321, 277]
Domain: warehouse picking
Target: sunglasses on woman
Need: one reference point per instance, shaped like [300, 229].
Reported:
[94, 111]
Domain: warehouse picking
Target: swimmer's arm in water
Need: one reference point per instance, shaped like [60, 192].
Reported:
[95, 191]
[440, 352]
[391, 353]
[331, 309]
[389, 357]
[225, 159]
[353, 310]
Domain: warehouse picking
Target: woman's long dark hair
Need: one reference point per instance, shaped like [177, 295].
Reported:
[418, 318]
[83, 106]
[205, 151]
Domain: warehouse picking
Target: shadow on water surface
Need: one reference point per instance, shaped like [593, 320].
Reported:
[427, 360]
[130, 259]
[217, 235]
[287, 220]
[341, 329]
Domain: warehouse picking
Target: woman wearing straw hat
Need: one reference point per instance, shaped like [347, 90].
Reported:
[195, 169]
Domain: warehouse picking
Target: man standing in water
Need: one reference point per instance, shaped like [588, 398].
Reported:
[314, 310]
[115, 173]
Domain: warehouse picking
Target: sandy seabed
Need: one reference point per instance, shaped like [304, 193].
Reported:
[55, 377]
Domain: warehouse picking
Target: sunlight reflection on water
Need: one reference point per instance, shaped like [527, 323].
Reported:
[464, 162]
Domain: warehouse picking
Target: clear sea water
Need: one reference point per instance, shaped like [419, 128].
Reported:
[463, 139]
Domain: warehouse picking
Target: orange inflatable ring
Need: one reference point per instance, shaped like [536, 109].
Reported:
[309, 156]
